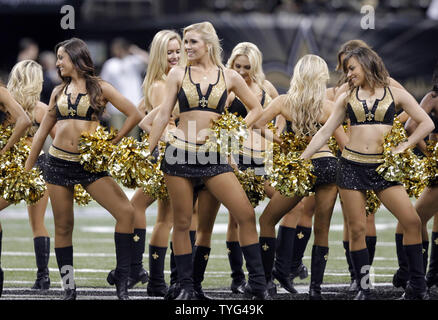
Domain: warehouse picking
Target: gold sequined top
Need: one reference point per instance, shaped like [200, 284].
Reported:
[81, 109]
[382, 111]
[191, 98]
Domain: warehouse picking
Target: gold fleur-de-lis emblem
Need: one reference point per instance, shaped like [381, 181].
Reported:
[265, 247]
[300, 235]
[423, 251]
[136, 238]
[369, 116]
[71, 111]
[206, 257]
[228, 251]
[203, 102]
[326, 257]
[436, 241]
[155, 256]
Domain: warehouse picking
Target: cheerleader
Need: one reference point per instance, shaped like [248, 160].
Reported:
[332, 93]
[164, 55]
[201, 88]
[401, 275]
[75, 107]
[247, 59]
[371, 105]
[25, 85]
[10, 112]
[307, 109]
[426, 203]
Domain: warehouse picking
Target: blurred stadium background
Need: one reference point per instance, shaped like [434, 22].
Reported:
[405, 36]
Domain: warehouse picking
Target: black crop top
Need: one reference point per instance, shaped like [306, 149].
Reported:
[191, 98]
[81, 109]
[382, 111]
[239, 108]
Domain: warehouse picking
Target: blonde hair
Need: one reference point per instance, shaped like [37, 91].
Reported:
[255, 58]
[209, 36]
[158, 64]
[25, 85]
[306, 94]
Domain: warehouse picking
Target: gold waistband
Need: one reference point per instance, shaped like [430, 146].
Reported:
[322, 154]
[64, 155]
[361, 157]
[188, 146]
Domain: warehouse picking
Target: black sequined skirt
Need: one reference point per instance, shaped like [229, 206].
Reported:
[357, 171]
[63, 168]
[325, 169]
[190, 160]
[41, 161]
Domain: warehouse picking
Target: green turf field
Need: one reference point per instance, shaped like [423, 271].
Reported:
[94, 253]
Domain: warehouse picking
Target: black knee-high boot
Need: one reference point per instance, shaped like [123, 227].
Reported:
[256, 286]
[138, 273]
[298, 269]
[1, 271]
[124, 243]
[267, 246]
[157, 286]
[235, 257]
[184, 265]
[42, 255]
[64, 258]
[318, 264]
[173, 270]
[432, 273]
[174, 288]
[361, 260]
[200, 261]
[416, 287]
[354, 286]
[425, 255]
[371, 246]
[401, 276]
[283, 257]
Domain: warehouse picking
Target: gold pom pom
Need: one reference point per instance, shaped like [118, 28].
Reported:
[431, 162]
[372, 202]
[252, 184]
[155, 185]
[404, 167]
[128, 162]
[96, 149]
[81, 196]
[333, 145]
[18, 184]
[227, 134]
[288, 174]
[5, 133]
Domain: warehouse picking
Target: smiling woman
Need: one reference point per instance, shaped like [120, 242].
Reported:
[201, 87]
[370, 105]
[75, 107]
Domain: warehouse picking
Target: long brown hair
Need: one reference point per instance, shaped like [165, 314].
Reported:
[375, 71]
[80, 56]
[343, 50]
